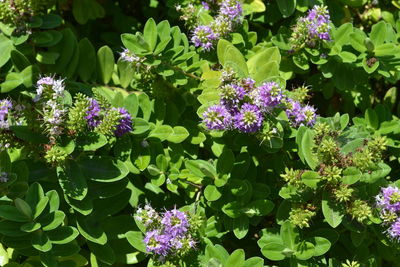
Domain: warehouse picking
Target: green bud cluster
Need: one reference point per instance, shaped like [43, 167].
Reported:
[14, 12]
[363, 159]
[332, 174]
[301, 216]
[328, 150]
[76, 115]
[359, 210]
[109, 122]
[321, 129]
[55, 156]
[377, 146]
[351, 264]
[292, 177]
[300, 94]
[343, 193]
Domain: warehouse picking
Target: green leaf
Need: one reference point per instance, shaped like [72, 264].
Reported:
[50, 21]
[104, 253]
[341, 35]
[236, 259]
[357, 40]
[91, 141]
[13, 80]
[301, 61]
[19, 61]
[135, 238]
[6, 46]
[307, 144]
[351, 175]
[304, 250]
[62, 235]
[310, 179]
[254, 262]
[105, 59]
[13, 214]
[23, 208]
[273, 251]
[87, 60]
[52, 220]
[378, 33]
[241, 227]
[372, 118]
[90, 230]
[161, 132]
[150, 33]
[290, 235]
[212, 193]
[134, 43]
[331, 210]
[322, 245]
[30, 227]
[286, 7]
[48, 58]
[41, 241]
[260, 207]
[233, 58]
[103, 169]
[72, 181]
[178, 135]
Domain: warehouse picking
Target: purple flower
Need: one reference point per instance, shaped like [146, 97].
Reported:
[147, 215]
[394, 230]
[299, 115]
[389, 199]
[231, 9]
[217, 117]
[230, 95]
[175, 222]
[205, 5]
[249, 119]
[268, 96]
[309, 114]
[5, 108]
[92, 114]
[157, 243]
[125, 123]
[318, 23]
[204, 36]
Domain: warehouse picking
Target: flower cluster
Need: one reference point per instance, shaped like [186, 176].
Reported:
[50, 93]
[88, 113]
[5, 109]
[313, 28]
[168, 235]
[131, 58]
[244, 107]
[388, 203]
[229, 14]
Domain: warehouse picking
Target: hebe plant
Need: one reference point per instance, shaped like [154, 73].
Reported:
[199, 133]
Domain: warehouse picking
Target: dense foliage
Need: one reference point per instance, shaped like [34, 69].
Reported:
[199, 133]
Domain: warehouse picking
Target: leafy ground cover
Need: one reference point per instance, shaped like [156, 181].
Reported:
[199, 133]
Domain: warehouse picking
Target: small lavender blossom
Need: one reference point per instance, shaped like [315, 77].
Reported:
[130, 57]
[157, 243]
[147, 215]
[249, 119]
[125, 123]
[389, 199]
[230, 95]
[175, 222]
[53, 117]
[309, 114]
[204, 36]
[268, 96]
[5, 109]
[231, 9]
[248, 84]
[217, 117]
[205, 5]
[92, 114]
[4, 177]
[55, 88]
[394, 230]
[299, 115]
[318, 21]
